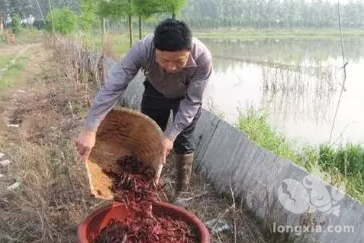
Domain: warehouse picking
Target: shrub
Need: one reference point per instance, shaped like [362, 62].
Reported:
[63, 21]
[15, 23]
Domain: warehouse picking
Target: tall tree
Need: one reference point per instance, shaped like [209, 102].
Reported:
[118, 9]
[1, 22]
[88, 15]
[172, 6]
[145, 9]
[214, 13]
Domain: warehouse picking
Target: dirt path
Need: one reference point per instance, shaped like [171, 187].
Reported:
[37, 59]
[12, 61]
[11, 49]
[43, 190]
[16, 51]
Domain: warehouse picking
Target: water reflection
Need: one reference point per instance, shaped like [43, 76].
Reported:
[288, 51]
[297, 106]
[288, 95]
[301, 104]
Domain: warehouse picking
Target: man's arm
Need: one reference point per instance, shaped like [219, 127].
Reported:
[193, 100]
[115, 85]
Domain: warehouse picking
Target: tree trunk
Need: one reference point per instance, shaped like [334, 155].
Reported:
[40, 11]
[1, 23]
[103, 31]
[51, 12]
[173, 15]
[140, 27]
[130, 31]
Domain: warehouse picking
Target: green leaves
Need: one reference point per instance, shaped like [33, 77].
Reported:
[63, 20]
[173, 6]
[88, 15]
[15, 23]
[115, 8]
[147, 8]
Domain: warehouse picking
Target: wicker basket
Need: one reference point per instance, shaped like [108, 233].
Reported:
[123, 132]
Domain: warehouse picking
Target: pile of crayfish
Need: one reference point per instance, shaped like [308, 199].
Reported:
[133, 185]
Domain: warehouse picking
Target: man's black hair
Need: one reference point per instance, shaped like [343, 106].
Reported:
[172, 35]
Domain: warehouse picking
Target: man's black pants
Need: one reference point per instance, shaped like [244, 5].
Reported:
[158, 107]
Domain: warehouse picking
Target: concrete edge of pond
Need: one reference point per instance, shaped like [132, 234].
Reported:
[264, 181]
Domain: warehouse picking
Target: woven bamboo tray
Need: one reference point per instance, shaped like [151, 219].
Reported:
[122, 132]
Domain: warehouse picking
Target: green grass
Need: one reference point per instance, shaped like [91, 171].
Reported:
[2, 40]
[117, 44]
[10, 76]
[344, 163]
[255, 124]
[4, 60]
[277, 33]
[120, 43]
[25, 36]
[29, 35]
[10, 71]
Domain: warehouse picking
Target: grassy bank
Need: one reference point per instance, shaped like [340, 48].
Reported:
[344, 163]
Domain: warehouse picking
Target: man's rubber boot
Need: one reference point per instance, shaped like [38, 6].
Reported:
[183, 170]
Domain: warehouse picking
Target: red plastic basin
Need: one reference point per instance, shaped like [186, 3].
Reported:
[97, 220]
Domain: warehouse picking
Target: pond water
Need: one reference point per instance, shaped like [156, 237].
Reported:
[297, 81]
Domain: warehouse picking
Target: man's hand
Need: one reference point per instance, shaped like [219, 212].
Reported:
[167, 146]
[85, 143]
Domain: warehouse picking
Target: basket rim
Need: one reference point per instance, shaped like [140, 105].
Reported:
[128, 111]
[138, 113]
[201, 227]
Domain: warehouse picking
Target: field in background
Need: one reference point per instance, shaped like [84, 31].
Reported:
[115, 46]
[302, 33]
[118, 39]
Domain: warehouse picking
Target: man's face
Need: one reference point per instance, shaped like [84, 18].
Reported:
[172, 62]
